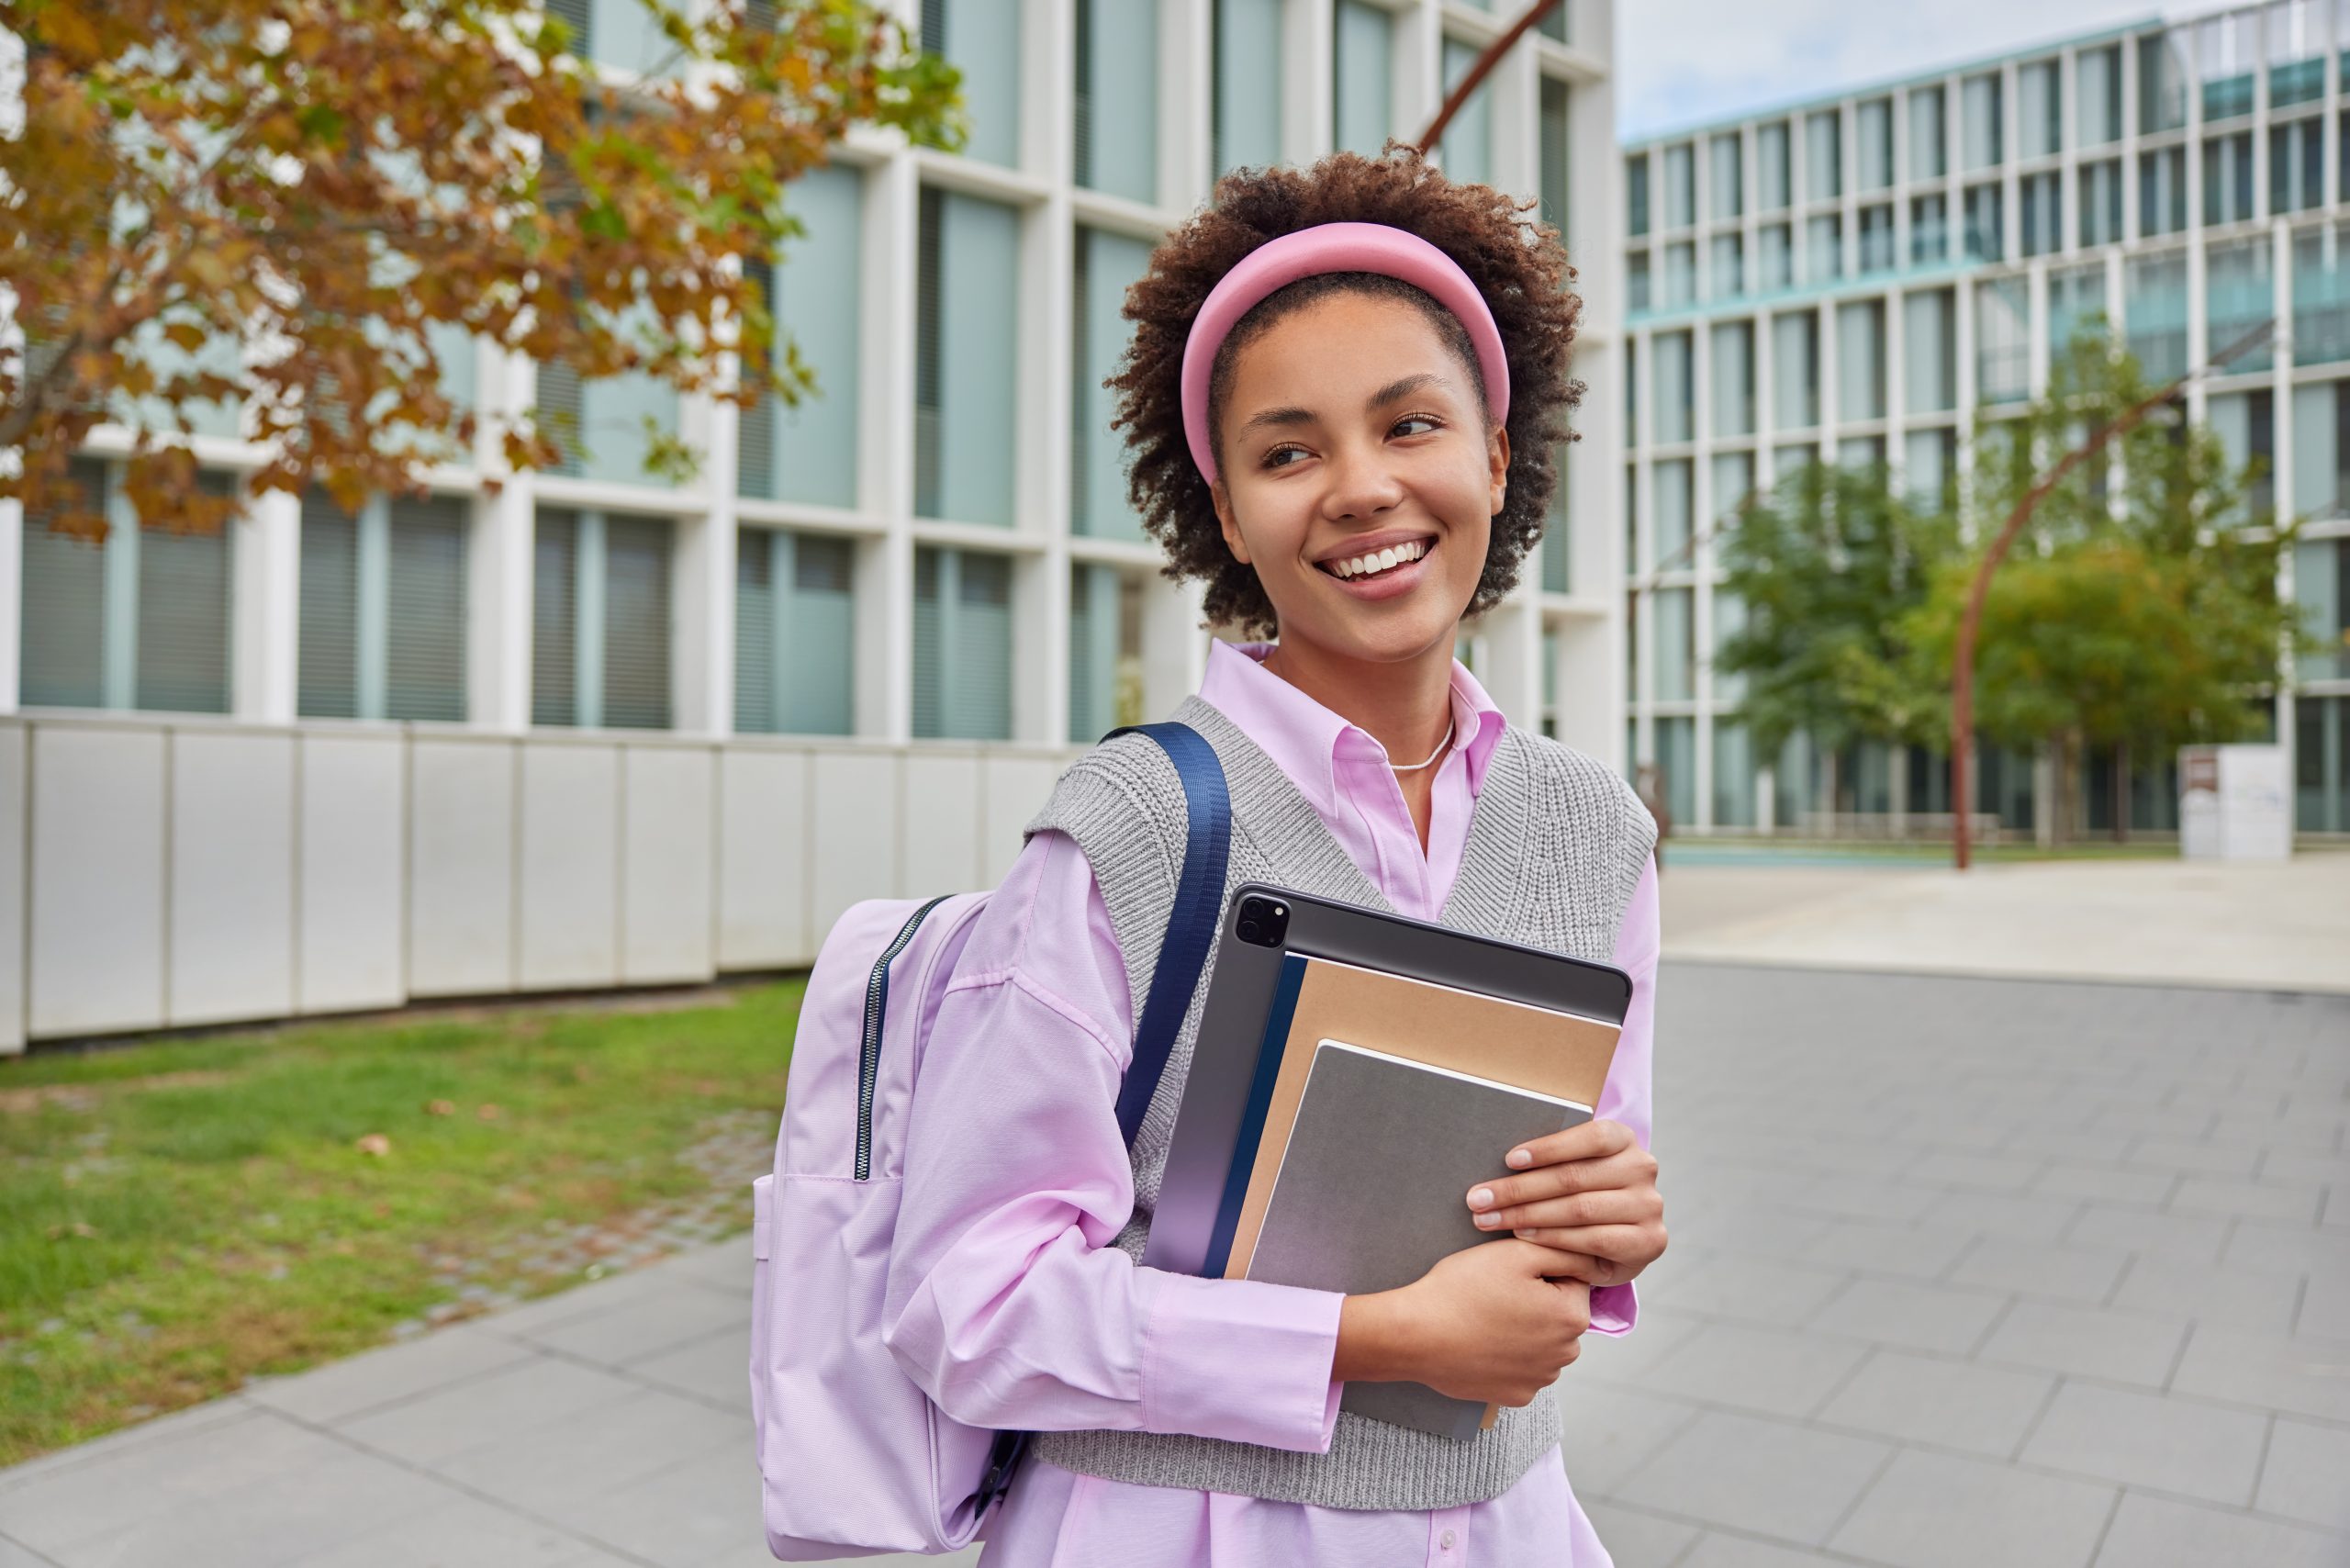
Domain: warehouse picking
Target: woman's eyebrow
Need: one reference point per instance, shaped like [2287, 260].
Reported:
[1404, 387]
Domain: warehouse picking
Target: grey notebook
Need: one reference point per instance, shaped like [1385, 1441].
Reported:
[1370, 1193]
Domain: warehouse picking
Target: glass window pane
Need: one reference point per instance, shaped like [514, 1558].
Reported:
[962, 645]
[1637, 292]
[1726, 178]
[1732, 371]
[2002, 339]
[1676, 762]
[1675, 653]
[1986, 234]
[2154, 288]
[982, 39]
[1823, 249]
[808, 453]
[2076, 306]
[1726, 267]
[1876, 239]
[327, 662]
[2040, 101]
[794, 633]
[1117, 97]
[1771, 165]
[1096, 614]
[1928, 229]
[1979, 109]
[1859, 360]
[1556, 154]
[554, 617]
[2044, 215]
[1246, 128]
[1363, 45]
[2240, 297]
[1795, 371]
[2296, 166]
[1778, 258]
[2162, 191]
[2099, 73]
[1468, 147]
[2101, 203]
[2322, 588]
[1930, 463]
[62, 629]
[184, 605]
[1680, 273]
[2227, 48]
[2296, 53]
[1929, 351]
[2318, 452]
[1734, 790]
[1675, 514]
[1107, 265]
[1673, 411]
[1873, 126]
[966, 347]
[2227, 178]
[1636, 194]
[636, 623]
[1928, 152]
[425, 619]
[2162, 82]
[2320, 294]
[1823, 162]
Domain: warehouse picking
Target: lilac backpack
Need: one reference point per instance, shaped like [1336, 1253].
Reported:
[854, 1457]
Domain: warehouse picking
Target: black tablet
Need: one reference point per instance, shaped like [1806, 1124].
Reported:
[1262, 926]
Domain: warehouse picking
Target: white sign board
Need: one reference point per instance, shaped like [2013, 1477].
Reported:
[2234, 804]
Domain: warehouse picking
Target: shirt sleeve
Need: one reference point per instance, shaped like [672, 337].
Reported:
[1006, 1302]
[1626, 1097]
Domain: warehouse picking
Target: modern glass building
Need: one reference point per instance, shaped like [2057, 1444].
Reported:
[465, 743]
[1848, 278]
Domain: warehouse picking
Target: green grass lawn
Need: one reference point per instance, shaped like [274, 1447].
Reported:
[178, 1216]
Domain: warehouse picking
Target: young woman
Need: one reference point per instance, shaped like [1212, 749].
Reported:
[1344, 393]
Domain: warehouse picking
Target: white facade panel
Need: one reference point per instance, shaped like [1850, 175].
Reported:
[855, 828]
[12, 888]
[941, 824]
[231, 877]
[97, 880]
[569, 867]
[461, 868]
[763, 860]
[352, 876]
[668, 841]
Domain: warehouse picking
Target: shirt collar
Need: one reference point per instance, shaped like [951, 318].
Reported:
[1303, 737]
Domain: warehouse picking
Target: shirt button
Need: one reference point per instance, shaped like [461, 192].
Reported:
[1445, 1540]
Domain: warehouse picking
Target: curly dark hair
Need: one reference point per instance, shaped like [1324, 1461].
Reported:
[1519, 266]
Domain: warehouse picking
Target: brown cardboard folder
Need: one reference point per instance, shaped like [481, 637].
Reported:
[1554, 1053]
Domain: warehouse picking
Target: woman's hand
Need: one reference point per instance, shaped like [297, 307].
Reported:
[1590, 1190]
[1486, 1324]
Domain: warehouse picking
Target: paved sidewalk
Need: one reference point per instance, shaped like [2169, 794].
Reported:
[1963, 1273]
[2282, 926]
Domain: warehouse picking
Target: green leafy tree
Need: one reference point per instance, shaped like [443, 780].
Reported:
[1828, 568]
[2140, 609]
[339, 188]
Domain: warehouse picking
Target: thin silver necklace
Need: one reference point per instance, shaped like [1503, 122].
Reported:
[1432, 755]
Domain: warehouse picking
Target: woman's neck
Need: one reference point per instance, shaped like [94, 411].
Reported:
[1404, 706]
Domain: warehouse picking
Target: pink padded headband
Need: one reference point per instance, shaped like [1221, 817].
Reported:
[1333, 248]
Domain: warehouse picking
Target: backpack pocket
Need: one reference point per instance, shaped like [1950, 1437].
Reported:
[762, 1292]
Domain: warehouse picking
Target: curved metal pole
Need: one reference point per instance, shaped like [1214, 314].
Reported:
[1480, 71]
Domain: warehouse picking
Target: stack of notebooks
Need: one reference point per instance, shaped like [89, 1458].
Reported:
[1378, 1102]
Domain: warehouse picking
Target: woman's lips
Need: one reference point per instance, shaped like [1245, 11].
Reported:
[1387, 584]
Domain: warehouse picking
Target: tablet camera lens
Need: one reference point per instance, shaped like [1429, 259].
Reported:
[1250, 931]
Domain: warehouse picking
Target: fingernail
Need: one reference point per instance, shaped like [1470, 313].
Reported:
[1526, 1235]
[1481, 1198]
[1488, 1221]
[1521, 1157]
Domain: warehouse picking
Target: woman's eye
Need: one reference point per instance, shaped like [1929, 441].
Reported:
[1417, 420]
[1273, 458]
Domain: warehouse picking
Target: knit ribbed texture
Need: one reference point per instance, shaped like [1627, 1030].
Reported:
[1556, 846]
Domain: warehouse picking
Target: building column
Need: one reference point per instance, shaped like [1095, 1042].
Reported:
[12, 610]
[500, 569]
[701, 634]
[265, 604]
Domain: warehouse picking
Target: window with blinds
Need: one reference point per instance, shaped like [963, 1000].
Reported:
[1557, 144]
[1107, 265]
[383, 609]
[326, 680]
[562, 415]
[1245, 63]
[183, 588]
[1097, 637]
[1116, 141]
[555, 618]
[966, 318]
[794, 625]
[636, 623]
[425, 608]
[808, 451]
[62, 633]
[1363, 45]
[754, 426]
[962, 645]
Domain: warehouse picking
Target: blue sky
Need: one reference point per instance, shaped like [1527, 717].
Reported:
[1685, 61]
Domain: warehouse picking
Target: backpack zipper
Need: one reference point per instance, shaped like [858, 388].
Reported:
[877, 1000]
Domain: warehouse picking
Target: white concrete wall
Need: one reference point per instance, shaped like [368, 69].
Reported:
[160, 872]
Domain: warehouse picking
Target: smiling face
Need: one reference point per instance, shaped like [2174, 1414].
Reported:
[1351, 428]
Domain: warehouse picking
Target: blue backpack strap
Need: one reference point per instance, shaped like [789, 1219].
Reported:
[1182, 954]
[1190, 923]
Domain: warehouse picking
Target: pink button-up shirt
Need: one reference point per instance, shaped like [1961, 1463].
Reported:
[1020, 1314]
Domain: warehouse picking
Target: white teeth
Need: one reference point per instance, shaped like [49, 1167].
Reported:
[1380, 560]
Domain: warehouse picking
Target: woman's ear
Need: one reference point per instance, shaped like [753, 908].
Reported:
[1225, 519]
[1497, 468]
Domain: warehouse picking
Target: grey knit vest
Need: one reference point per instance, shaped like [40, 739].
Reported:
[1556, 844]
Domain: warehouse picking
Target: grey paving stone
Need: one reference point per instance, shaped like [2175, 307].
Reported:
[177, 1426]
[2284, 1249]
[2088, 1341]
[1631, 1535]
[2325, 1304]
[2307, 1474]
[654, 1322]
[1755, 1290]
[1924, 1399]
[295, 1512]
[1770, 1370]
[2306, 1167]
[725, 1266]
[2066, 1270]
[2001, 1216]
[487, 1409]
[1871, 1247]
[1853, 1197]
[1977, 1173]
[1931, 1510]
[553, 1468]
[2248, 1301]
[2150, 1440]
[1717, 1551]
[2194, 1157]
[464, 1534]
[1920, 1317]
[715, 1367]
[2302, 1376]
[2246, 1200]
[2155, 1532]
[332, 1393]
[1628, 1359]
[2105, 1184]
[1775, 1479]
[1610, 1432]
[703, 1508]
[2177, 1237]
